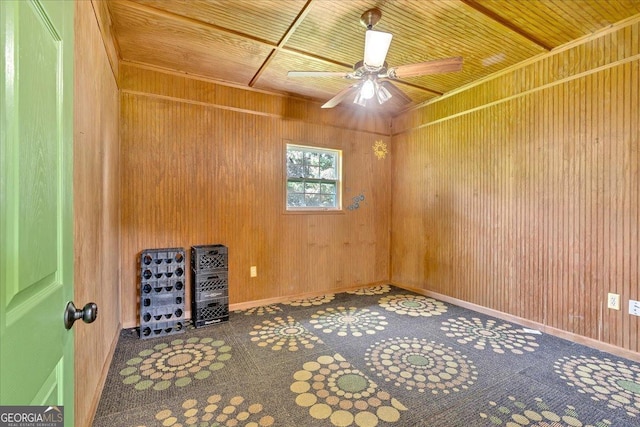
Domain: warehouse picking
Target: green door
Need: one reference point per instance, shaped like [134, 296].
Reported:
[36, 217]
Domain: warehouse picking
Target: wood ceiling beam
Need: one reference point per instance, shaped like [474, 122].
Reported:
[294, 25]
[292, 28]
[226, 31]
[507, 24]
[415, 86]
[280, 46]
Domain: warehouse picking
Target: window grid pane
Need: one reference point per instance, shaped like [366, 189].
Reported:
[312, 177]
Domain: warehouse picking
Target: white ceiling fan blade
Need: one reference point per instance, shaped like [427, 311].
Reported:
[317, 74]
[376, 45]
[429, 67]
[340, 96]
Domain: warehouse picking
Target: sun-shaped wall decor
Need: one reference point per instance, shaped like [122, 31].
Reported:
[380, 149]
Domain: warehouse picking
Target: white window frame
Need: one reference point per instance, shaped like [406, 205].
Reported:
[337, 181]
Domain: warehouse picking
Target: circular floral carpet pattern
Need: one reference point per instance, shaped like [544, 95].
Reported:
[413, 305]
[540, 414]
[176, 363]
[500, 337]
[260, 311]
[374, 290]
[214, 412]
[309, 302]
[281, 333]
[613, 382]
[421, 365]
[335, 391]
[348, 321]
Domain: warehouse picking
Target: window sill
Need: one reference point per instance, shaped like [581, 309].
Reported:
[313, 212]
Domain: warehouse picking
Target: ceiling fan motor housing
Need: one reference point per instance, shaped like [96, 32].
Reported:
[370, 18]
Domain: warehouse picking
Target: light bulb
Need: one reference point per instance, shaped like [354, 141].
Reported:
[368, 89]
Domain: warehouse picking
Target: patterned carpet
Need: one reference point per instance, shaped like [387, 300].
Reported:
[378, 356]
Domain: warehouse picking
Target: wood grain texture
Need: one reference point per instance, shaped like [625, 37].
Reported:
[255, 43]
[206, 167]
[520, 194]
[103, 18]
[183, 88]
[96, 210]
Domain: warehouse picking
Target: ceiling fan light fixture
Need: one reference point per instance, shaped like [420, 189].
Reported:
[374, 74]
[359, 99]
[368, 89]
[383, 94]
[376, 45]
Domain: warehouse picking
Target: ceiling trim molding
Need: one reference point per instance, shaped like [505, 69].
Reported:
[159, 69]
[252, 112]
[103, 19]
[508, 98]
[577, 42]
[500, 20]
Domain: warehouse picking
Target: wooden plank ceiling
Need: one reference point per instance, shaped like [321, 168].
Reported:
[253, 43]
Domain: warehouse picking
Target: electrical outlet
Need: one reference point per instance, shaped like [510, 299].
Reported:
[253, 271]
[613, 301]
[634, 307]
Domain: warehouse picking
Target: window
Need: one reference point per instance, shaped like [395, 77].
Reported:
[313, 178]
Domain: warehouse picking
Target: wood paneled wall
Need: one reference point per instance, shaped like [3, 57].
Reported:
[520, 194]
[203, 164]
[96, 210]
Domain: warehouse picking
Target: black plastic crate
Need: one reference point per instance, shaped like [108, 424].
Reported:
[161, 285]
[162, 292]
[213, 279]
[158, 329]
[161, 314]
[161, 271]
[209, 257]
[209, 285]
[162, 256]
[200, 295]
[210, 312]
[153, 299]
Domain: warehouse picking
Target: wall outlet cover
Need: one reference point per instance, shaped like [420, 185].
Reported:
[613, 301]
[634, 307]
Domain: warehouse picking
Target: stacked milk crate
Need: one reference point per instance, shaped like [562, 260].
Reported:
[209, 285]
[162, 289]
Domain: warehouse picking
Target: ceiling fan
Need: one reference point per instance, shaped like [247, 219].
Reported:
[372, 71]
